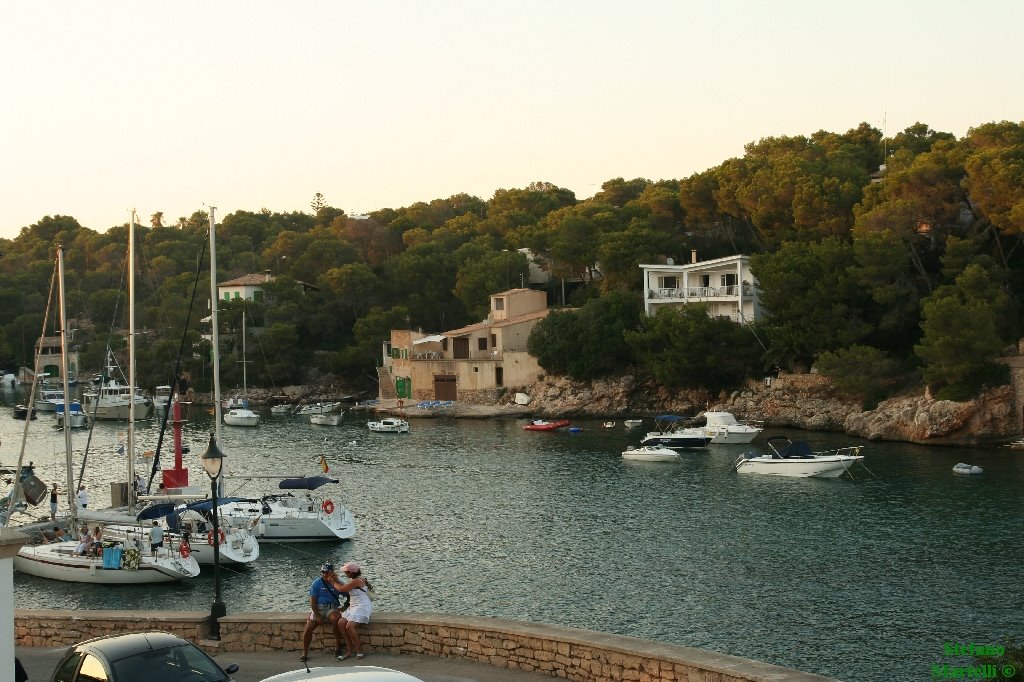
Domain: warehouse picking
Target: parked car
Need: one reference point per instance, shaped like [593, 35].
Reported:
[149, 656]
[355, 673]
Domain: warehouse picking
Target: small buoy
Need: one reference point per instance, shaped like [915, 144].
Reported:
[575, 429]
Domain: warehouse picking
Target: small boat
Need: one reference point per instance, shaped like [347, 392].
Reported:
[77, 416]
[544, 425]
[21, 412]
[162, 397]
[967, 469]
[238, 411]
[670, 434]
[724, 428]
[389, 425]
[632, 423]
[786, 457]
[1016, 445]
[318, 408]
[608, 425]
[280, 408]
[325, 419]
[650, 453]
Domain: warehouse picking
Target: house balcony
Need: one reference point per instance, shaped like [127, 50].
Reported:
[730, 292]
[434, 356]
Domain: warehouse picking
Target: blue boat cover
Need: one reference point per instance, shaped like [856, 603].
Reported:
[207, 505]
[669, 418]
[305, 483]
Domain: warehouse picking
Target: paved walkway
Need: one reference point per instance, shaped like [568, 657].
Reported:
[255, 666]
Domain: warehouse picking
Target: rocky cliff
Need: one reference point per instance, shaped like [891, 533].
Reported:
[805, 401]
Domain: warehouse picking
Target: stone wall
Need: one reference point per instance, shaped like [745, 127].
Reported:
[561, 652]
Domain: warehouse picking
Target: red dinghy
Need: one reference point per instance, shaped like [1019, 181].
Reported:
[542, 425]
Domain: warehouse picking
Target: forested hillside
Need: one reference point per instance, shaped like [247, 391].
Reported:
[915, 276]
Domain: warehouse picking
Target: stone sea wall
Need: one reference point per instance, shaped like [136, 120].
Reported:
[561, 652]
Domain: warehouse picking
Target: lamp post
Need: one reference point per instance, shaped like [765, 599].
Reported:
[213, 461]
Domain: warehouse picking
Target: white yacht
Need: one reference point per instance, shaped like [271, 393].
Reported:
[786, 457]
[112, 399]
[725, 429]
[292, 517]
[389, 425]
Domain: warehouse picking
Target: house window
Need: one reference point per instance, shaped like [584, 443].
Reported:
[499, 304]
[257, 295]
[494, 340]
[729, 280]
[237, 295]
[227, 295]
[481, 343]
[670, 282]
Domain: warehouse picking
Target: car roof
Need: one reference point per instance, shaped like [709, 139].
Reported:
[115, 647]
[355, 673]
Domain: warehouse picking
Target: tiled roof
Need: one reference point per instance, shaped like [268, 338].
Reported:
[251, 280]
[487, 324]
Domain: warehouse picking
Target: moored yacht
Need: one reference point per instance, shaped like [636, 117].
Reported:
[785, 457]
[292, 517]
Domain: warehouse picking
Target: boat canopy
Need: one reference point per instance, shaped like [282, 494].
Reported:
[786, 449]
[669, 418]
[305, 483]
[207, 505]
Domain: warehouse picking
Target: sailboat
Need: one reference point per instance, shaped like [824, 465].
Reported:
[120, 563]
[238, 413]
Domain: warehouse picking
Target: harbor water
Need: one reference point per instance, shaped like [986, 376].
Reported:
[863, 579]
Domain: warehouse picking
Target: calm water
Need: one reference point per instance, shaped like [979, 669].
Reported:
[861, 580]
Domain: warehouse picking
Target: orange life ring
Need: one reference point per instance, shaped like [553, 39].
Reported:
[328, 507]
[184, 550]
[209, 537]
[401, 403]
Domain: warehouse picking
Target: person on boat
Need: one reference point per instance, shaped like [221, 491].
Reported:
[83, 541]
[53, 502]
[323, 609]
[359, 609]
[156, 538]
[96, 545]
[83, 496]
[58, 535]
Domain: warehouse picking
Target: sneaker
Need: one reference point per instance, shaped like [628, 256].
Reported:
[303, 658]
[342, 657]
[360, 655]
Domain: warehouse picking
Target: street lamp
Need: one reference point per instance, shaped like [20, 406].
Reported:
[213, 462]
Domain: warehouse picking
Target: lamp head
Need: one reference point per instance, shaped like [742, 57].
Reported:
[213, 459]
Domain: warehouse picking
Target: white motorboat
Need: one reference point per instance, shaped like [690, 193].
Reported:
[795, 458]
[389, 425]
[725, 429]
[48, 399]
[283, 408]
[671, 435]
[632, 423]
[292, 517]
[112, 399]
[967, 469]
[325, 419]
[318, 408]
[162, 398]
[241, 416]
[650, 453]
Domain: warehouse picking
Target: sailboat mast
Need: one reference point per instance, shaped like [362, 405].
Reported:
[215, 337]
[131, 359]
[245, 365]
[72, 500]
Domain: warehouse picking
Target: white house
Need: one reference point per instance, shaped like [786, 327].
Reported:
[725, 284]
[249, 287]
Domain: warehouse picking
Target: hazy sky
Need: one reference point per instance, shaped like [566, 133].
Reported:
[108, 106]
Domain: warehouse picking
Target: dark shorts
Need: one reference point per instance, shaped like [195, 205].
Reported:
[154, 545]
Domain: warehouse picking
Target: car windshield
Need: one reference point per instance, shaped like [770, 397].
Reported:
[183, 663]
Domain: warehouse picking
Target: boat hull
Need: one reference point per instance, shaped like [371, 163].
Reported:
[650, 454]
[241, 417]
[677, 439]
[827, 466]
[238, 547]
[389, 426]
[56, 562]
[546, 426]
[143, 410]
[325, 419]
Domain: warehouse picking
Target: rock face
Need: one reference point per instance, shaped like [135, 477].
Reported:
[805, 401]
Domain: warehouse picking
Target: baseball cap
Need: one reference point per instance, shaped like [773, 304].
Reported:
[327, 568]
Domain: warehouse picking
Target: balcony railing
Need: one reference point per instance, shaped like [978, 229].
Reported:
[703, 293]
[473, 355]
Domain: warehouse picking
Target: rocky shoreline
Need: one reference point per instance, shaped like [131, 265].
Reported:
[803, 401]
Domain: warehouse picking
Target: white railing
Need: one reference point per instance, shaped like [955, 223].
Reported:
[687, 293]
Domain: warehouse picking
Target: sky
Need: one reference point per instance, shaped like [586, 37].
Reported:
[173, 107]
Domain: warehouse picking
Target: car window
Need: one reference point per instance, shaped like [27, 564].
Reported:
[183, 663]
[66, 670]
[92, 670]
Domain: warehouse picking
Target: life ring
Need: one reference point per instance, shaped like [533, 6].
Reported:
[184, 550]
[328, 507]
[401, 403]
[209, 537]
